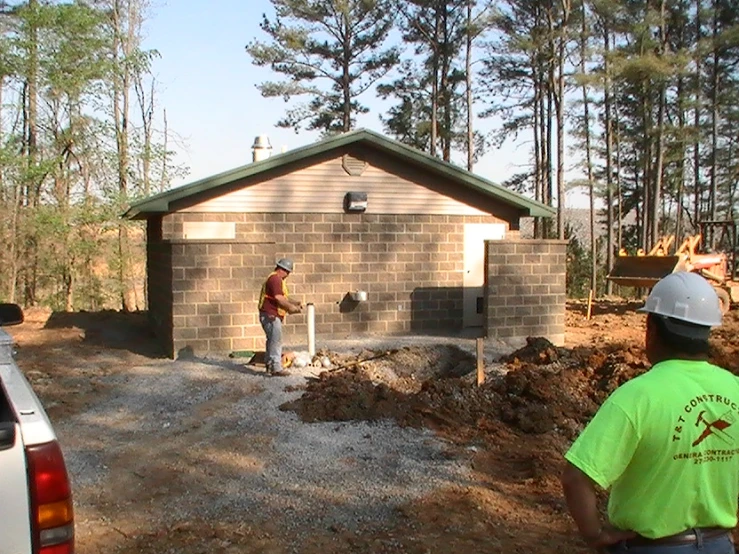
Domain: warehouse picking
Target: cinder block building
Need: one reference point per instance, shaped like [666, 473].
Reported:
[356, 212]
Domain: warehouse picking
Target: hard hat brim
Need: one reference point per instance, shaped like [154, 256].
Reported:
[687, 330]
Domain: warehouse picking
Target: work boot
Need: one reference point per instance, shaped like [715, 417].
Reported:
[280, 373]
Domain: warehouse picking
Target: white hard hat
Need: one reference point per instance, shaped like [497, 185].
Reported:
[286, 264]
[687, 303]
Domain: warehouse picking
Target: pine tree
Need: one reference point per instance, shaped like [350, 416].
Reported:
[516, 85]
[432, 80]
[336, 42]
[409, 121]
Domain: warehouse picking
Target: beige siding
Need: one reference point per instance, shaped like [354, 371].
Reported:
[321, 188]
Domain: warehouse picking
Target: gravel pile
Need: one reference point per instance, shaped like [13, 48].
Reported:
[171, 441]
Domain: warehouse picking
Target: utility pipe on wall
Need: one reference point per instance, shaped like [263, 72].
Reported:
[311, 329]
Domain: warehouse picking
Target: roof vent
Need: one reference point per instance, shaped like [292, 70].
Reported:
[262, 149]
[353, 166]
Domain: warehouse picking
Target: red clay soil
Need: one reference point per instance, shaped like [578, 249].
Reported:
[541, 389]
[521, 420]
[513, 430]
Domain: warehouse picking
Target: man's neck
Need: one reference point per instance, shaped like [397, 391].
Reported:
[663, 357]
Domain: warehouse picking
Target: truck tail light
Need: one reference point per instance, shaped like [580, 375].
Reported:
[52, 515]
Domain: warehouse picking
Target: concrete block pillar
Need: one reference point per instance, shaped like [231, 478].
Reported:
[526, 290]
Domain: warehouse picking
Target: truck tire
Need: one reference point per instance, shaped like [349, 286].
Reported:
[724, 299]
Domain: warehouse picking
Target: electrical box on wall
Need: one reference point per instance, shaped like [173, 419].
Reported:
[355, 201]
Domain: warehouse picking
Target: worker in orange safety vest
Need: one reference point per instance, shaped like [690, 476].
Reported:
[274, 305]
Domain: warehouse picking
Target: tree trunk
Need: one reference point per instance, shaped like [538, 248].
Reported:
[646, 154]
[345, 83]
[146, 106]
[32, 195]
[658, 170]
[538, 153]
[619, 191]
[588, 152]
[435, 86]
[165, 177]
[609, 154]
[468, 81]
[697, 208]
[550, 88]
[639, 206]
[682, 169]
[559, 104]
[712, 204]
[549, 163]
[15, 197]
[123, 47]
[446, 93]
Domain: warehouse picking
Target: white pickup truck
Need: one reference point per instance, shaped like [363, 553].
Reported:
[36, 515]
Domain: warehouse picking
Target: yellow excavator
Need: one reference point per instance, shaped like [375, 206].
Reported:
[646, 268]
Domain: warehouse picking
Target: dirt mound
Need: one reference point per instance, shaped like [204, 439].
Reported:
[541, 389]
[345, 396]
[374, 385]
[538, 350]
[725, 343]
[558, 389]
[564, 395]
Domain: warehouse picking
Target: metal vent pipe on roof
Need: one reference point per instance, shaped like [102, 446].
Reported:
[262, 148]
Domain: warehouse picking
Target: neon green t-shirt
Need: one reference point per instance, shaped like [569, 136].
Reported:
[667, 445]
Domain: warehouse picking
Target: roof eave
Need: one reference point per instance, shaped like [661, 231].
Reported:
[542, 211]
[145, 209]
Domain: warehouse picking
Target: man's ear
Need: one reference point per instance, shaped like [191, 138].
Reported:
[652, 333]
[651, 323]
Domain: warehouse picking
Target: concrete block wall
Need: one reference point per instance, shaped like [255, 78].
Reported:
[410, 265]
[159, 283]
[526, 294]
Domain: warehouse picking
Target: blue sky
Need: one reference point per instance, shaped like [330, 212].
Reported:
[206, 82]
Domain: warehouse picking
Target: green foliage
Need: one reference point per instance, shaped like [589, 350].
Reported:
[61, 64]
[329, 50]
[436, 30]
[409, 121]
[518, 64]
[72, 155]
[578, 266]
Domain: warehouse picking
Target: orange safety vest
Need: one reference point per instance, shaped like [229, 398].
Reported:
[263, 295]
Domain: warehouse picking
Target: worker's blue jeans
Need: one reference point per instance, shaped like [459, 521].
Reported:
[273, 330]
[715, 545]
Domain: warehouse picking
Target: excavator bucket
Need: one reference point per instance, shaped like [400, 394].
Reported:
[643, 271]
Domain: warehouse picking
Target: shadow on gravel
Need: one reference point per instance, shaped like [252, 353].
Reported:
[111, 329]
[225, 363]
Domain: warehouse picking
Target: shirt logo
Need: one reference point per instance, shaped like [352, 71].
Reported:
[716, 428]
[711, 437]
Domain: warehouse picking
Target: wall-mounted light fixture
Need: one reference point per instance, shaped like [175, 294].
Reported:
[355, 201]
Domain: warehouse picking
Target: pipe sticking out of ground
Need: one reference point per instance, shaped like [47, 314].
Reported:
[311, 329]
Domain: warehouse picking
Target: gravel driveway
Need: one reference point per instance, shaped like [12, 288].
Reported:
[167, 442]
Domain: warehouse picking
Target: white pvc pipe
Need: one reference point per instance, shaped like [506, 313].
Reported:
[311, 329]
